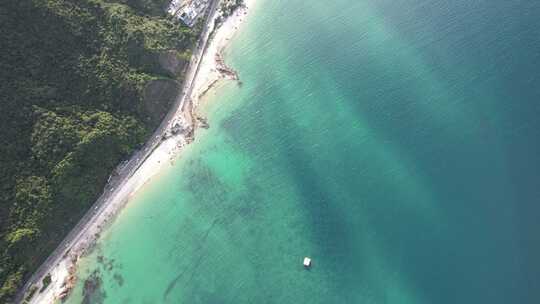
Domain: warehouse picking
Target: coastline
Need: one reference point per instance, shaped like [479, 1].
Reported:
[163, 147]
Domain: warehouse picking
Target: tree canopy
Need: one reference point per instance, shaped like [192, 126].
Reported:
[72, 75]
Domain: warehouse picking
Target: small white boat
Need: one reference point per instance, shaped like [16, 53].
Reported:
[307, 262]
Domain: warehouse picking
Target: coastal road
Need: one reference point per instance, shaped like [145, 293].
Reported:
[116, 188]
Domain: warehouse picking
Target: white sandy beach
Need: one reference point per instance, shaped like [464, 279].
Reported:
[62, 267]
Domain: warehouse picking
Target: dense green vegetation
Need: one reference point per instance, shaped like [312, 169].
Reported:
[72, 75]
[229, 6]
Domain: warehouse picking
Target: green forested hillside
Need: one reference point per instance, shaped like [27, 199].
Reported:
[72, 74]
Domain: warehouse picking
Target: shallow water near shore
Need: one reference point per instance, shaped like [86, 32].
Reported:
[395, 142]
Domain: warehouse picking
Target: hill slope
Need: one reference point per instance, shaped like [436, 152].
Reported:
[72, 78]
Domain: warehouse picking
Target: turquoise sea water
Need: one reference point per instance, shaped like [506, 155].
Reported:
[396, 142]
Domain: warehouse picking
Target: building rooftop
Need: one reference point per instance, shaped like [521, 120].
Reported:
[190, 12]
[174, 6]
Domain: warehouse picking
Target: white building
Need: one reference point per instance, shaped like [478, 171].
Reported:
[174, 6]
[192, 11]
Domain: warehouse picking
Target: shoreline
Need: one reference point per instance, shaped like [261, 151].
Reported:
[177, 130]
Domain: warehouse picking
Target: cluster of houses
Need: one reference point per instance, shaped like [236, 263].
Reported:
[188, 11]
